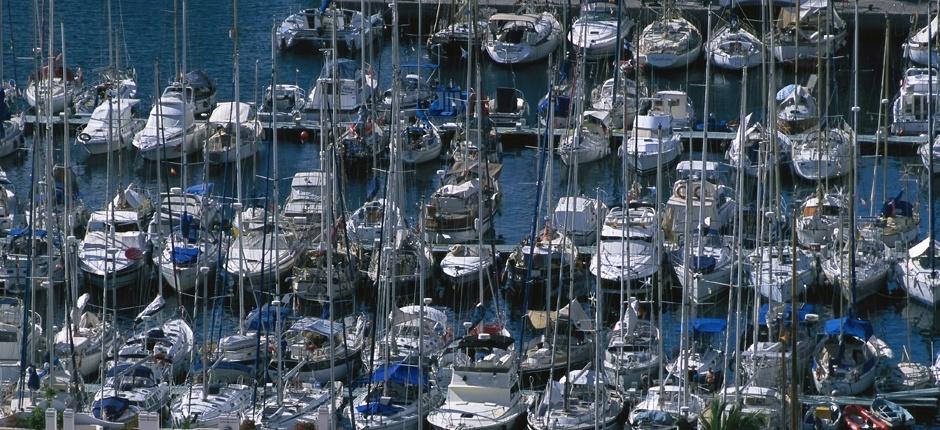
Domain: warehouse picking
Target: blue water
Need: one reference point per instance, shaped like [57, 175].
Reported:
[145, 32]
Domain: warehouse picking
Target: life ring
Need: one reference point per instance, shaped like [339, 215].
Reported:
[84, 137]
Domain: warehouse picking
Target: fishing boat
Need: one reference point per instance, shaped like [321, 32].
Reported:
[909, 111]
[734, 47]
[54, 88]
[813, 29]
[848, 358]
[421, 143]
[591, 142]
[871, 269]
[917, 272]
[453, 212]
[203, 405]
[364, 226]
[632, 356]
[756, 151]
[283, 104]
[666, 406]
[915, 48]
[221, 147]
[577, 217]
[770, 269]
[112, 127]
[823, 153]
[522, 38]
[164, 347]
[508, 109]
[796, 109]
[171, 130]
[200, 91]
[652, 142]
[767, 361]
[670, 41]
[581, 400]
[598, 32]
[85, 340]
[316, 28]
[546, 356]
[700, 192]
[391, 399]
[114, 252]
[316, 344]
[821, 215]
[705, 259]
[463, 264]
[484, 390]
[354, 87]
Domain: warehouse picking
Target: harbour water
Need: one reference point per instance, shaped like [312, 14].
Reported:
[145, 33]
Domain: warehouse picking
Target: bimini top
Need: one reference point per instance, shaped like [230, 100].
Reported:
[855, 327]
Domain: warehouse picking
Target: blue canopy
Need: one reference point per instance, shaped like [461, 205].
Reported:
[200, 189]
[376, 408]
[709, 325]
[317, 325]
[399, 373]
[801, 312]
[129, 369]
[23, 231]
[185, 255]
[266, 316]
[855, 327]
[113, 407]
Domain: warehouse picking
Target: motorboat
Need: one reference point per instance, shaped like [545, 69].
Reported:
[171, 131]
[114, 252]
[652, 142]
[734, 47]
[909, 111]
[112, 127]
[598, 32]
[522, 38]
[200, 91]
[591, 141]
[284, 104]
[706, 260]
[225, 118]
[453, 212]
[484, 390]
[676, 103]
[508, 109]
[821, 215]
[669, 42]
[823, 153]
[86, 340]
[577, 217]
[757, 151]
[263, 257]
[16, 325]
[827, 416]
[421, 143]
[416, 90]
[632, 356]
[891, 413]
[463, 264]
[316, 28]
[770, 269]
[871, 269]
[805, 32]
[113, 84]
[700, 193]
[581, 400]
[303, 209]
[848, 359]
[915, 47]
[629, 247]
[796, 109]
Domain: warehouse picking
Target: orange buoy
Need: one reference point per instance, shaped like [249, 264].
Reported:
[304, 136]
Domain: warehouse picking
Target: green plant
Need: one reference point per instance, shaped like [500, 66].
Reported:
[722, 417]
[37, 419]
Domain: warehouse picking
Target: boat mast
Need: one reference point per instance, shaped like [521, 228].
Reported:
[482, 173]
[277, 196]
[236, 78]
[852, 175]
[50, 188]
[327, 216]
[183, 81]
[931, 234]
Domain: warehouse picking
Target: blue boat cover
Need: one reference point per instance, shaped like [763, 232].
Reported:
[802, 311]
[855, 327]
[23, 231]
[703, 325]
[113, 407]
[376, 408]
[200, 189]
[703, 263]
[267, 316]
[185, 255]
[399, 373]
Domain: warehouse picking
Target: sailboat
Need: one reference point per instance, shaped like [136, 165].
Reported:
[823, 153]
[315, 344]
[262, 257]
[591, 142]
[754, 149]
[422, 143]
[405, 342]
[917, 274]
[871, 269]
[670, 41]
[58, 86]
[796, 109]
[87, 340]
[452, 214]
[581, 400]
[316, 27]
[821, 215]
[391, 397]
[632, 356]
[114, 252]
[595, 32]
[203, 405]
[546, 356]
[734, 47]
[364, 226]
[221, 145]
[917, 47]
[848, 359]
[705, 259]
[484, 388]
[552, 250]
[800, 32]
[354, 85]
[522, 38]
[665, 407]
[765, 363]
[770, 268]
[463, 263]
[451, 40]
[622, 106]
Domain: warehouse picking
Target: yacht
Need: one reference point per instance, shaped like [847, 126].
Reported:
[802, 33]
[171, 130]
[316, 27]
[112, 127]
[629, 247]
[596, 31]
[848, 358]
[523, 38]
[701, 192]
[670, 41]
[909, 111]
[577, 217]
[200, 92]
[225, 118]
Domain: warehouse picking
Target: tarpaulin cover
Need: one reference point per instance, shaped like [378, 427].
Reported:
[185, 255]
[399, 373]
[855, 327]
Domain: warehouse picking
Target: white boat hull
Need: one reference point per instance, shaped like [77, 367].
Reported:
[672, 61]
